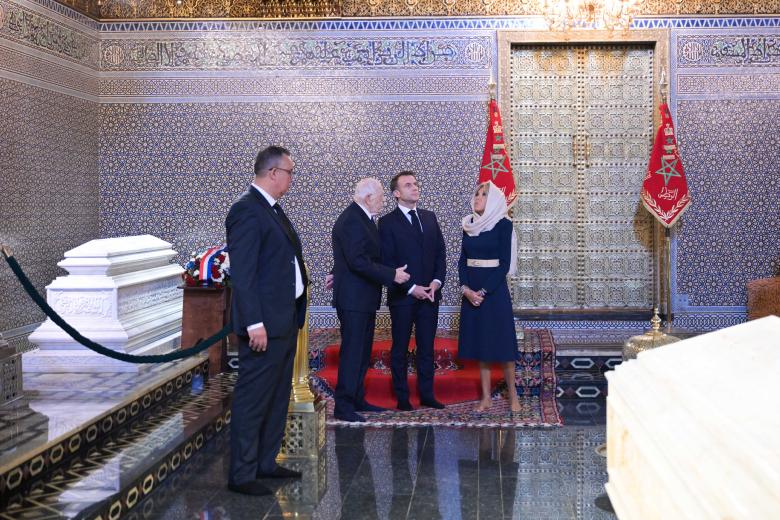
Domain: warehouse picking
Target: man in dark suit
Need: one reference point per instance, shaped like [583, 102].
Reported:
[412, 236]
[268, 307]
[358, 276]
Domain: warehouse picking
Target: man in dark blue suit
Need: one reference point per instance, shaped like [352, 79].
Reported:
[412, 236]
[268, 307]
[358, 277]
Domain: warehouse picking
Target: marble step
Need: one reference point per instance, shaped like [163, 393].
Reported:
[62, 415]
[114, 475]
[580, 384]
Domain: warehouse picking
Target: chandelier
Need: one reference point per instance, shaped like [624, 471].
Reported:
[590, 14]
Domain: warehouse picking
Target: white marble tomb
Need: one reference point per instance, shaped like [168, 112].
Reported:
[120, 292]
[692, 427]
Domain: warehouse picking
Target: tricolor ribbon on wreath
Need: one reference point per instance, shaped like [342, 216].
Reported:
[665, 190]
[208, 271]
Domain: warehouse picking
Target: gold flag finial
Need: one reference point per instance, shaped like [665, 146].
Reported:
[663, 86]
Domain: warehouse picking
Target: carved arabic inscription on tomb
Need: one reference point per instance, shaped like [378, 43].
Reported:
[148, 295]
[82, 305]
[299, 53]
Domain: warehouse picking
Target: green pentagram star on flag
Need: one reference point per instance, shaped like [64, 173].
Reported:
[495, 166]
[668, 169]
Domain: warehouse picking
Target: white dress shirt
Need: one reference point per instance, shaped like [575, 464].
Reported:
[406, 211]
[298, 274]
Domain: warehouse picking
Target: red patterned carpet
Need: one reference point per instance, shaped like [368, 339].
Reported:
[456, 383]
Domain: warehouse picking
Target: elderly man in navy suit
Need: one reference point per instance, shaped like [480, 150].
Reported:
[411, 236]
[358, 277]
[269, 306]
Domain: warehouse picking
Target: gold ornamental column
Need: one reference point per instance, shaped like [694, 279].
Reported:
[304, 434]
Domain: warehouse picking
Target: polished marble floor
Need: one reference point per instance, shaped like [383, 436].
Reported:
[56, 406]
[426, 473]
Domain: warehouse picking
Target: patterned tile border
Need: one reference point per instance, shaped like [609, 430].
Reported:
[705, 23]
[48, 74]
[599, 364]
[298, 88]
[705, 322]
[414, 24]
[54, 452]
[571, 333]
[762, 86]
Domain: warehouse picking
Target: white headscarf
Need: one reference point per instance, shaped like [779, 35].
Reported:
[495, 210]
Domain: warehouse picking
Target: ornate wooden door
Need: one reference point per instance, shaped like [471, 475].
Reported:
[581, 131]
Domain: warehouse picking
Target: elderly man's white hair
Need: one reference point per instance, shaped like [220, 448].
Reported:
[367, 186]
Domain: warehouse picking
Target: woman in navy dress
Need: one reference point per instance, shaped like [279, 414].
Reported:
[488, 254]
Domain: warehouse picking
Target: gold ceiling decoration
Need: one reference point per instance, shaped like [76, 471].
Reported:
[161, 9]
[580, 14]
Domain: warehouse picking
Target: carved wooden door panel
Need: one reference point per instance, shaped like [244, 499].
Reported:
[581, 129]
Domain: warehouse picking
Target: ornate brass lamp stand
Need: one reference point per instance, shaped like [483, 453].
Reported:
[649, 340]
[304, 435]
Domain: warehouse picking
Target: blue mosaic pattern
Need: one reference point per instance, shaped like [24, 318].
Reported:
[48, 163]
[173, 169]
[163, 156]
[729, 234]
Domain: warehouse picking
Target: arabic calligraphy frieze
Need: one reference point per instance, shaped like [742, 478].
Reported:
[728, 50]
[296, 53]
[40, 32]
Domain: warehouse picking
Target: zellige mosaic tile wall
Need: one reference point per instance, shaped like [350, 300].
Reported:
[173, 169]
[49, 198]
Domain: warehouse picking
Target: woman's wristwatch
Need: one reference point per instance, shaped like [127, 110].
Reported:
[482, 292]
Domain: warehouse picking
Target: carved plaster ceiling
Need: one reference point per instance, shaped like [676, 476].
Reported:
[162, 9]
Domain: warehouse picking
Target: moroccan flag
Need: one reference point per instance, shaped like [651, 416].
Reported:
[664, 190]
[495, 160]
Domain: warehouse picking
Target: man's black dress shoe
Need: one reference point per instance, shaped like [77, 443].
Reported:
[431, 403]
[405, 406]
[349, 417]
[252, 487]
[368, 407]
[280, 472]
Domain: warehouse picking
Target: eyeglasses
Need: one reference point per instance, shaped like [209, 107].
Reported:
[290, 172]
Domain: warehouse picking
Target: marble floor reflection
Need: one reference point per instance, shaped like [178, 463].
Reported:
[415, 473]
